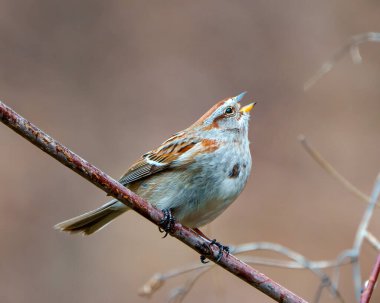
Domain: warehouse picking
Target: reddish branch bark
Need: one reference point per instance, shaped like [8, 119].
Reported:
[367, 293]
[115, 189]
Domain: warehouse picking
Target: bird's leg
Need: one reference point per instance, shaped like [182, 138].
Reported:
[199, 232]
[221, 247]
[167, 222]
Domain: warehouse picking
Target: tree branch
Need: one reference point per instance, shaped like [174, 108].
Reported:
[124, 195]
[371, 283]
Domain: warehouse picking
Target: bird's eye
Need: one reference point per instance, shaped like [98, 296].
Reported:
[229, 110]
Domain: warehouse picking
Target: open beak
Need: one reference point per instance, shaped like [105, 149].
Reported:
[240, 97]
[246, 109]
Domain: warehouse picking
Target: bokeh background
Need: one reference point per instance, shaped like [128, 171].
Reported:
[113, 79]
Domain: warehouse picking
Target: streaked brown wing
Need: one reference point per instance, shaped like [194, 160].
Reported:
[159, 159]
[140, 170]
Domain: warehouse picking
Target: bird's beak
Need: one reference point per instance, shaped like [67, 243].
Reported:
[240, 97]
[246, 109]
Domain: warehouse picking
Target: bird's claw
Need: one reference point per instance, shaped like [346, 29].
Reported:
[167, 223]
[222, 249]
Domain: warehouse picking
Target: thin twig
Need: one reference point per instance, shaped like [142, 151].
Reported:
[301, 262]
[158, 279]
[297, 257]
[367, 293]
[361, 232]
[347, 256]
[179, 293]
[351, 47]
[323, 264]
[372, 240]
[61, 153]
[152, 285]
[331, 170]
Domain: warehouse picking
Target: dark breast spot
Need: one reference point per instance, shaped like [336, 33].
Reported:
[235, 171]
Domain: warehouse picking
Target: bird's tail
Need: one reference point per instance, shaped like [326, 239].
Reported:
[93, 221]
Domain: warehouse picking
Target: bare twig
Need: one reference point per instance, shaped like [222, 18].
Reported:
[360, 235]
[158, 279]
[115, 189]
[367, 293]
[151, 286]
[179, 293]
[372, 240]
[298, 258]
[362, 232]
[351, 47]
[323, 264]
[347, 256]
[331, 170]
[300, 262]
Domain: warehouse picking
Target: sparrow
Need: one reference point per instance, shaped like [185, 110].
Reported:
[193, 176]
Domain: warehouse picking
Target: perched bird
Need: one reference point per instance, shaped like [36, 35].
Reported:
[194, 175]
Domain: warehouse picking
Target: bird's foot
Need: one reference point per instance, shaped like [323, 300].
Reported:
[222, 249]
[167, 223]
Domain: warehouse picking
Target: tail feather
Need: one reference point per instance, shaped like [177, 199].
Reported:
[94, 220]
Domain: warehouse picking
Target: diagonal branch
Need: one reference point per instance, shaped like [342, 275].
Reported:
[371, 283]
[115, 189]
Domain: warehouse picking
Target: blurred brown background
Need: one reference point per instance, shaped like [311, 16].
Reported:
[113, 79]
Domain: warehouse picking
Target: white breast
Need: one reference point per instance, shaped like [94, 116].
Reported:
[223, 177]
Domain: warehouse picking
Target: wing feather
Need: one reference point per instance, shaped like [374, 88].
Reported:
[159, 159]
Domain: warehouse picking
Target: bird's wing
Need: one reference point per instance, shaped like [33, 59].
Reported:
[161, 158]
